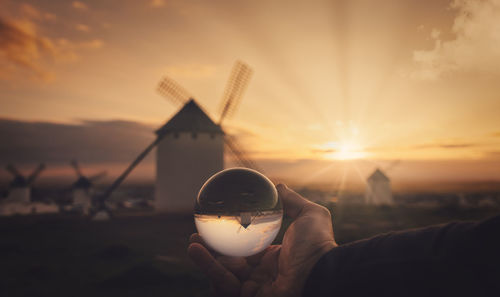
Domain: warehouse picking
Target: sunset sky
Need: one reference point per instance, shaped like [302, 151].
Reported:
[374, 81]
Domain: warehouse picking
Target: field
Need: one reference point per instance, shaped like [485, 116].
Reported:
[60, 255]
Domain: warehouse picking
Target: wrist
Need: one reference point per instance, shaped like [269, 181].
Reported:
[296, 281]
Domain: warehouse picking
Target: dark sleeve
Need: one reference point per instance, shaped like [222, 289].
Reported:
[456, 259]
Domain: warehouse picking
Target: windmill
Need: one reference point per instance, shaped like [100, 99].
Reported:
[82, 189]
[190, 146]
[20, 187]
[378, 186]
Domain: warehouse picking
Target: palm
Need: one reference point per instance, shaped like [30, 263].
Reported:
[280, 270]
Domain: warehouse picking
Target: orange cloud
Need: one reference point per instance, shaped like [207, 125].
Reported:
[79, 5]
[93, 44]
[20, 46]
[157, 3]
[23, 49]
[82, 28]
[30, 11]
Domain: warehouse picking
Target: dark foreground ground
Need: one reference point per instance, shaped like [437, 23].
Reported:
[145, 255]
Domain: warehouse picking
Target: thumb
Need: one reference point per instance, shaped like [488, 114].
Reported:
[293, 203]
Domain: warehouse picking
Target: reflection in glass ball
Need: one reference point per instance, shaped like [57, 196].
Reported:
[238, 212]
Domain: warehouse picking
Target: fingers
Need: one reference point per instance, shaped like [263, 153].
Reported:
[255, 259]
[250, 289]
[196, 238]
[293, 203]
[221, 278]
[236, 265]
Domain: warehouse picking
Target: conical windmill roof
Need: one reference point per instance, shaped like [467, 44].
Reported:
[378, 175]
[82, 183]
[19, 182]
[191, 118]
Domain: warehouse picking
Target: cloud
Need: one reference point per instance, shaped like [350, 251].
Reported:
[492, 154]
[475, 48]
[89, 141]
[82, 28]
[447, 145]
[324, 151]
[157, 3]
[24, 51]
[92, 44]
[20, 46]
[50, 16]
[79, 5]
[30, 11]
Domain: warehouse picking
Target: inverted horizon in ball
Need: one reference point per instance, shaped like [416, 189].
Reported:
[238, 212]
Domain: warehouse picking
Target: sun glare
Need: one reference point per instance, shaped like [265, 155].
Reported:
[343, 151]
[348, 151]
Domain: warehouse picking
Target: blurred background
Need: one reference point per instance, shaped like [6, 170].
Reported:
[386, 112]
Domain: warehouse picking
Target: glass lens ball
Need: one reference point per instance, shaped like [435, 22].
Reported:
[238, 212]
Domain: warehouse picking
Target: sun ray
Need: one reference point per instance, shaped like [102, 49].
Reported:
[316, 174]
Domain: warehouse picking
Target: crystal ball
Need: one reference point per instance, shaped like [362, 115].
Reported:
[238, 212]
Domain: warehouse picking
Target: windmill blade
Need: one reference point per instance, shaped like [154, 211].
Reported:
[392, 165]
[35, 174]
[13, 170]
[171, 90]
[236, 85]
[239, 154]
[75, 166]
[98, 176]
[101, 199]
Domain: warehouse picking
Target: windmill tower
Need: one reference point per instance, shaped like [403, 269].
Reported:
[82, 189]
[378, 186]
[378, 189]
[190, 147]
[20, 187]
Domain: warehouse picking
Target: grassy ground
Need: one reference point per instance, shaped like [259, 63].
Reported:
[145, 256]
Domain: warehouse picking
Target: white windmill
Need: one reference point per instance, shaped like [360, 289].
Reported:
[378, 187]
[19, 200]
[83, 189]
[20, 187]
[190, 146]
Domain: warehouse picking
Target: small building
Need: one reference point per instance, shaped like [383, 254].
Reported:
[378, 189]
[191, 150]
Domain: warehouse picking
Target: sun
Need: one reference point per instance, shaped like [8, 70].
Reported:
[343, 150]
[348, 151]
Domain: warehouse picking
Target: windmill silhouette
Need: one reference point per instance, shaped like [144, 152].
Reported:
[83, 189]
[20, 187]
[378, 186]
[190, 146]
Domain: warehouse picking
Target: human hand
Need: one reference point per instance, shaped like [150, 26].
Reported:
[279, 270]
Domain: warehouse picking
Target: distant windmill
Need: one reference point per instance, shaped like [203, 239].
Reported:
[20, 187]
[82, 189]
[378, 187]
[190, 146]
